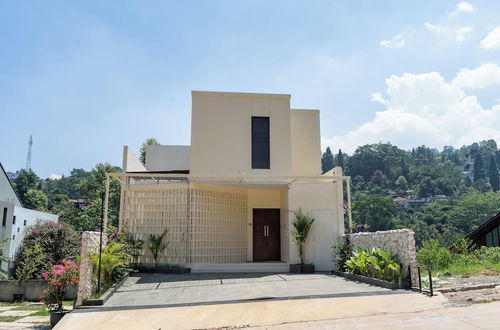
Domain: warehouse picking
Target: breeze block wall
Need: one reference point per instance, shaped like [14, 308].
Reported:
[400, 241]
[87, 282]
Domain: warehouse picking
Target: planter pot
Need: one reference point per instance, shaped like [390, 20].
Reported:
[56, 316]
[302, 268]
[18, 297]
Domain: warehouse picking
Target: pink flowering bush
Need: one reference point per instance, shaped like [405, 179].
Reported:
[59, 277]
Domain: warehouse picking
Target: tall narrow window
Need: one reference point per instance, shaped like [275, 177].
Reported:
[14, 220]
[4, 219]
[260, 143]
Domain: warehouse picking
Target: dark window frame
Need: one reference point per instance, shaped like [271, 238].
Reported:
[4, 218]
[261, 142]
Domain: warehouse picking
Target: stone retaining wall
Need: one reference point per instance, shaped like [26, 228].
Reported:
[400, 241]
[87, 283]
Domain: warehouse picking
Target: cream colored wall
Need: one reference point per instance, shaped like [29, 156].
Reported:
[167, 158]
[306, 143]
[321, 201]
[221, 133]
[130, 161]
[262, 199]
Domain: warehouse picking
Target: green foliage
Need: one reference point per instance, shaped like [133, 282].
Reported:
[30, 263]
[113, 257]
[156, 245]
[339, 159]
[327, 160]
[493, 174]
[302, 225]
[142, 152]
[341, 252]
[57, 241]
[376, 263]
[59, 277]
[479, 170]
[26, 180]
[36, 200]
[132, 245]
[433, 255]
[378, 213]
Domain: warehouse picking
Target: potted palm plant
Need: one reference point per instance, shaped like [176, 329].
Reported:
[59, 277]
[302, 225]
[156, 245]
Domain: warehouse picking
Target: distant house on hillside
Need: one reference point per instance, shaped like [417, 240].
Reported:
[15, 218]
[488, 234]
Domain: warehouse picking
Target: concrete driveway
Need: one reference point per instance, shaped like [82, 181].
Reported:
[165, 290]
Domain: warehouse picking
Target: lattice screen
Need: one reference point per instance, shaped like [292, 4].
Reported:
[204, 226]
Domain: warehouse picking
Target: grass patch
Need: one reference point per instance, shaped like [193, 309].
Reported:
[41, 312]
[472, 269]
[10, 318]
[27, 308]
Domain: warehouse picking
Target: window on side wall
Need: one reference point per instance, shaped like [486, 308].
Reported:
[24, 222]
[260, 143]
[14, 220]
[4, 218]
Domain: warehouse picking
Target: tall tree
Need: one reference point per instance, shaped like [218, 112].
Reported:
[327, 160]
[36, 200]
[340, 159]
[26, 180]
[479, 170]
[493, 173]
[149, 142]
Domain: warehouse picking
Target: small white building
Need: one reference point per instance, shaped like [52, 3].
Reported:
[15, 219]
[227, 199]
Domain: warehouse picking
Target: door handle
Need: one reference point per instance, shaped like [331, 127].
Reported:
[266, 231]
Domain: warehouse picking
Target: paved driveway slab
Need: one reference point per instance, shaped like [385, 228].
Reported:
[170, 290]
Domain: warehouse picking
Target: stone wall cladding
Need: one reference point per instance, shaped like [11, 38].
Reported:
[87, 283]
[400, 241]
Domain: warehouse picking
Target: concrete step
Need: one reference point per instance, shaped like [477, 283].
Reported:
[244, 267]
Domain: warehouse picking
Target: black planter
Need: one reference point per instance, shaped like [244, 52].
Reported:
[18, 297]
[302, 268]
[56, 316]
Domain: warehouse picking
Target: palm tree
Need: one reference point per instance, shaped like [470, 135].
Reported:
[156, 245]
[302, 224]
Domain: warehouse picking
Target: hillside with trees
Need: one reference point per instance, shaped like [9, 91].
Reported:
[454, 190]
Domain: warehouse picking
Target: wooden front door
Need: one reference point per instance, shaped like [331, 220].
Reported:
[266, 235]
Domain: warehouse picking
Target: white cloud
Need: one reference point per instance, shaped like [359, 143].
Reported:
[463, 7]
[425, 109]
[492, 40]
[55, 176]
[459, 33]
[396, 42]
[481, 77]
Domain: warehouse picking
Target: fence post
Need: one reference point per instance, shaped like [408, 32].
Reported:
[419, 280]
[430, 282]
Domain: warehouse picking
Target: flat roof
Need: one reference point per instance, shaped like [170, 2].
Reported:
[241, 94]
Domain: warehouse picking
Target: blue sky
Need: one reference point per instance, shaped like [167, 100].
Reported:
[86, 78]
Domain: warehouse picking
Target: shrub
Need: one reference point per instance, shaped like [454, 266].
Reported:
[3, 244]
[341, 252]
[59, 277]
[433, 255]
[58, 241]
[31, 261]
[113, 257]
[376, 263]
[302, 224]
[156, 245]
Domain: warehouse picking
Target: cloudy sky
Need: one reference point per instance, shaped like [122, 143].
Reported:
[87, 77]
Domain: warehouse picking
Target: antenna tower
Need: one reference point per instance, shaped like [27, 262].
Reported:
[28, 158]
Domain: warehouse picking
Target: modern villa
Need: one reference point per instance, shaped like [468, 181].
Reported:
[227, 200]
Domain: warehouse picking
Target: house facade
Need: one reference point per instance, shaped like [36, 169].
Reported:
[227, 200]
[15, 219]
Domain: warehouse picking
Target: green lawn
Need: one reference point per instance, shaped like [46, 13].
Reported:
[10, 318]
[471, 269]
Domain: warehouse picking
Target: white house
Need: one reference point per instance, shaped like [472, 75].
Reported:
[15, 218]
[227, 200]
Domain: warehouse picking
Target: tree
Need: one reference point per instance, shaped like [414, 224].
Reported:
[402, 185]
[379, 178]
[26, 180]
[493, 173]
[340, 159]
[479, 170]
[427, 188]
[473, 210]
[378, 213]
[327, 160]
[36, 200]
[149, 142]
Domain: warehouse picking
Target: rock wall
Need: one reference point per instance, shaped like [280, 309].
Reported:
[400, 241]
[88, 282]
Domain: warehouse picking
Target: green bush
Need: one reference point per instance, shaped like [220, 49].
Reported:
[341, 252]
[114, 262]
[376, 263]
[433, 255]
[58, 241]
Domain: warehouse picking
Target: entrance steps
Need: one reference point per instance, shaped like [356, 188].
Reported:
[243, 267]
